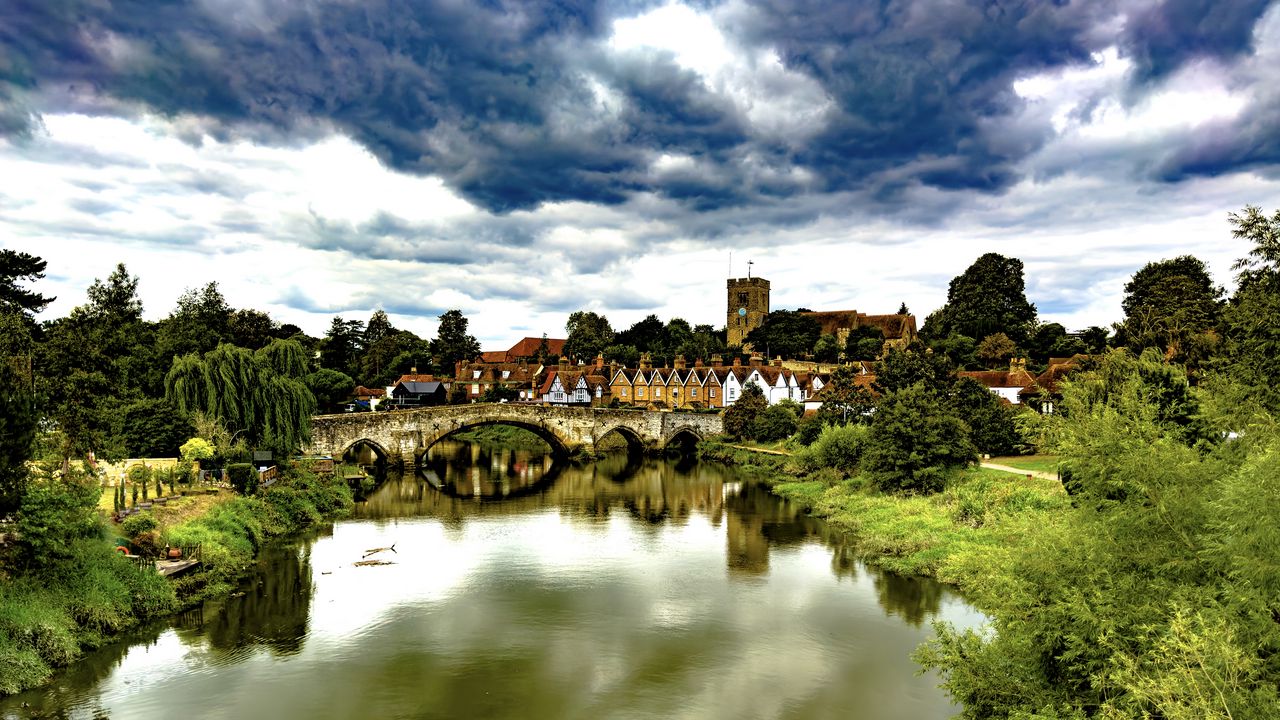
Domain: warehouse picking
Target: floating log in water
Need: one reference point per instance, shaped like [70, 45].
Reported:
[371, 563]
[375, 551]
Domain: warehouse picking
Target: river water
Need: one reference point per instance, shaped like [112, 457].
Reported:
[518, 588]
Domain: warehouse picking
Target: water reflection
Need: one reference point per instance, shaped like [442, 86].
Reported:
[522, 588]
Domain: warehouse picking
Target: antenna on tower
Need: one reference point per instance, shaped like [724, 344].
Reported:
[749, 264]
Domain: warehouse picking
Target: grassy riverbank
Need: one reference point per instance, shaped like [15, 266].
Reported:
[86, 593]
[503, 436]
[959, 536]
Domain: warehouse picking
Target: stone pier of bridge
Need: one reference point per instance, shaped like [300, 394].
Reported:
[401, 436]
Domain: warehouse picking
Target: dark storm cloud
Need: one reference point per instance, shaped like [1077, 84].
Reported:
[498, 98]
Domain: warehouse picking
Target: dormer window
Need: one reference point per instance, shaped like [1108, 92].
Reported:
[475, 374]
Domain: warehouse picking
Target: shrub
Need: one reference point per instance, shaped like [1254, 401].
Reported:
[775, 423]
[243, 477]
[839, 447]
[135, 525]
[138, 474]
[914, 440]
[808, 429]
[55, 513]
[196, 449]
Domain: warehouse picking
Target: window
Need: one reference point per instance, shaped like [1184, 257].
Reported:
[639, 392]
[598, 392]
[475, 374]
[713, 392]
[475, 388]
[506, 374]
[624, 392]
[657, 392]
[733, 393]
[694, 392]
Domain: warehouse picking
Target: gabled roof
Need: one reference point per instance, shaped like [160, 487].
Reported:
[421, 388]
[415, 378]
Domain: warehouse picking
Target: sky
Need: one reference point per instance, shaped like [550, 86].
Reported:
[522, 160]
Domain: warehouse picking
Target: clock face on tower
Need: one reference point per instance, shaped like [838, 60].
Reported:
[742, 312]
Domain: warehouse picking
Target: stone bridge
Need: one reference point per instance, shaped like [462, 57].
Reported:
[402, 436]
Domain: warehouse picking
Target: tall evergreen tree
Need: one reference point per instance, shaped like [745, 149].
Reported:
[19, 267]
[453, 343]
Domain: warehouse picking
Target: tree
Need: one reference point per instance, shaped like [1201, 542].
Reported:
[285, 357]
[18, 421]
[785, 333]
[151, 427]
[739, 418]
[865, 342]
[1095, 340]
[588, 335]
[19, 267]
[902, 309]
[777, 422]
[1169, 303]
[645, 335]
[1050, 340]
[378, 328]
[241, 391]
[996, 349]
[340, 348]
[201, 320]
[901, 369]
[452, 344]
[990, 419]
[1252, 318]
[988, 297]
[625, 355]
[915, 441]
[827, 349]
[499, 393]
[844, 401]
[330, 388]
[250, 329]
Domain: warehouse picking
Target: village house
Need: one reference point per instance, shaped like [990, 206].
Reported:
[478, 377]
[1008, 384]
[526, 350]
[575, 385]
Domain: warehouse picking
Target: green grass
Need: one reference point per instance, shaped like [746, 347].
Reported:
[506, 436]
[959, 536]
[1033, 463]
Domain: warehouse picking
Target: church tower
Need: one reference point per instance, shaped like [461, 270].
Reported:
[748, 303]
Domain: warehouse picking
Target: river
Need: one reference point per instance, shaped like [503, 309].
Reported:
[520, 588]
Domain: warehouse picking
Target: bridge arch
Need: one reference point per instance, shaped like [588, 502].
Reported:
[381, 452]
[684, 435]
[559, 446]
[634, 442]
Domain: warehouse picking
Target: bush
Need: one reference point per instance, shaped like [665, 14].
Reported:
[775, 423]
[138, 474]
[243, 477]
[56, 513]
[914, 440]
[135, 525]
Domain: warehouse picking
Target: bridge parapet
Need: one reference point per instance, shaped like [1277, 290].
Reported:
[403, 435]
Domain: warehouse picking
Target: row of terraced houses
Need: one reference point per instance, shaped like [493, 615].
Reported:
[714, 385]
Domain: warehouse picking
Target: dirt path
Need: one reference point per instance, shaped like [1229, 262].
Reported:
[1020, 471]
[760, 450]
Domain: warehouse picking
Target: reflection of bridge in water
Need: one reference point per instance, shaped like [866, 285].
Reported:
[458, 482]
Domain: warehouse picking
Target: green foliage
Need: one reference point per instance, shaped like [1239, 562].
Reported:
[588, 334]
[18, 420]
[900, 369]
[826, 349]
[1156, 594]
[54, 514]
[453, 343]
[914, 441]
[1171, 305]
[741, 415]
[839, 447]
[988, 297]
[241, 391]
[151, 428]
[844, 400]
[340, 349]
[777, 422]
[286, 358]
[196, 449]
[330, 388]
[243, 477]
[18, 267]
[498, 393]
[785, 333]
[135, 525]
[865, 342]
[996, 349]
[990, 419]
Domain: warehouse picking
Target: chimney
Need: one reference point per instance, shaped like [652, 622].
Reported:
[413, 370]
[599, 360]
[679, 364]
[777, 362]
[564, 364]
[756, 360]
[613, 369]
[698, 363]
[737, 361]
[646, 363]
[717, 361]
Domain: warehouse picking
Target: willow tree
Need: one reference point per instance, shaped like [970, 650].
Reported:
[246, 393]
[285, 357]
